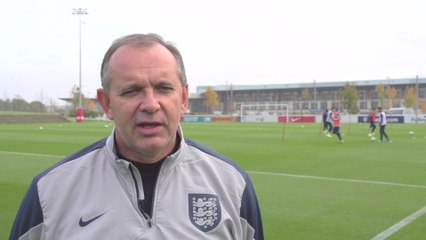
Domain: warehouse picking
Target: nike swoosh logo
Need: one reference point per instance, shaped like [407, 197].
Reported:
[83, 223]
[294, 119]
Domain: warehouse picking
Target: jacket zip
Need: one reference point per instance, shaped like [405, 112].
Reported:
[140, 201]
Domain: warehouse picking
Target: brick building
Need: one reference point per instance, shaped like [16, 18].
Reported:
[321, 95]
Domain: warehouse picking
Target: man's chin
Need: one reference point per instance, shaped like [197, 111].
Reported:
[153, 147]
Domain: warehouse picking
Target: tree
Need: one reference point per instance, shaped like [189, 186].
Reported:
[306, 94]
[392, 94]
[410, 97]
[422, 105]
[75, 97]
[19, 104]
[91, 105]
[5, 105]
[381, 93]
[53, 106]
[37, 106]
[349, 94]
[211, 98]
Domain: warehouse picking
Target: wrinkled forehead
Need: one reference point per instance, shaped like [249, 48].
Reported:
[145, 54]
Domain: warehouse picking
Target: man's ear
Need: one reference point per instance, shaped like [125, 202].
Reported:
[185, 99]
[104, 100]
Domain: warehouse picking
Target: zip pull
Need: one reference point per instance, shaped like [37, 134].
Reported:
[140, 201]
[146, 216]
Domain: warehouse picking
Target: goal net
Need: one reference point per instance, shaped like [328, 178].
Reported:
[265, 112]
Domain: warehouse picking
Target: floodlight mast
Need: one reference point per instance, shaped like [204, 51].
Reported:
[79, 12]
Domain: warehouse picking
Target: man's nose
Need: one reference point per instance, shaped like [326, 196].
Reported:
[149, 102]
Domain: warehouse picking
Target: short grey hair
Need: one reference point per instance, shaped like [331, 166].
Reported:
[140, 40]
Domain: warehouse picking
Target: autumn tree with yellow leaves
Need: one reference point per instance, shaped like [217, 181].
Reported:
[211, 98]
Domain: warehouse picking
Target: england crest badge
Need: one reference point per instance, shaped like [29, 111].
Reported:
[204, 211]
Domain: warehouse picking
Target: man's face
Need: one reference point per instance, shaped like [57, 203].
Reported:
[146, 100]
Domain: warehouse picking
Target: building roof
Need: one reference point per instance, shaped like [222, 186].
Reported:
[401, 81]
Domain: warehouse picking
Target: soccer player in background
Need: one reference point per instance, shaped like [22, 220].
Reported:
[383, 121]
[326, 121]
[329, 121]
[372, 120]
[337, 123]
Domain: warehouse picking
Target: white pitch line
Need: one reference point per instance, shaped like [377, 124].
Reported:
[32, 154]
[266, 173]
[388, 232]
[404, 222]
[339, 179]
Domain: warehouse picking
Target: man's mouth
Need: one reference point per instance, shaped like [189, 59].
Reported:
[149, 125]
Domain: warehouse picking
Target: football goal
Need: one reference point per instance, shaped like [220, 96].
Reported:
[264, 109]
[265, 112]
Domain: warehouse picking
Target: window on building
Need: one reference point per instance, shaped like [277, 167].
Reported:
[362, 94]
[296, 106]
[324, 94]
[422, 92]
[287, 96]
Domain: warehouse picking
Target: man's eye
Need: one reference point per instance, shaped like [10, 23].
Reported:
[129, 92]
[165, 88]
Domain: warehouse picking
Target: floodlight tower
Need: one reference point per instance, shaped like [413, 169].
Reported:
[79, 112]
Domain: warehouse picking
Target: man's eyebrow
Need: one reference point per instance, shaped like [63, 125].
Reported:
[130, 86]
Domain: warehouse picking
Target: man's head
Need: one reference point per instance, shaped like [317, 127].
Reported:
[140, 41]
[145, 93]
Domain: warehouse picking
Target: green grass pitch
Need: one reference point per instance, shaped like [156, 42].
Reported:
[309, 186]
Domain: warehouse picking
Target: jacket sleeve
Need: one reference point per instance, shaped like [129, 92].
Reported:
[29, 218]
[250, 211]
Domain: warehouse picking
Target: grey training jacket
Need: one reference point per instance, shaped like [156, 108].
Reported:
[92, 194]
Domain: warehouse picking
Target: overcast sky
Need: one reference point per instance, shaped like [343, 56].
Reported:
[222, 41]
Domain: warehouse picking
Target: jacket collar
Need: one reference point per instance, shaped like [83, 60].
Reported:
[170, 160]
